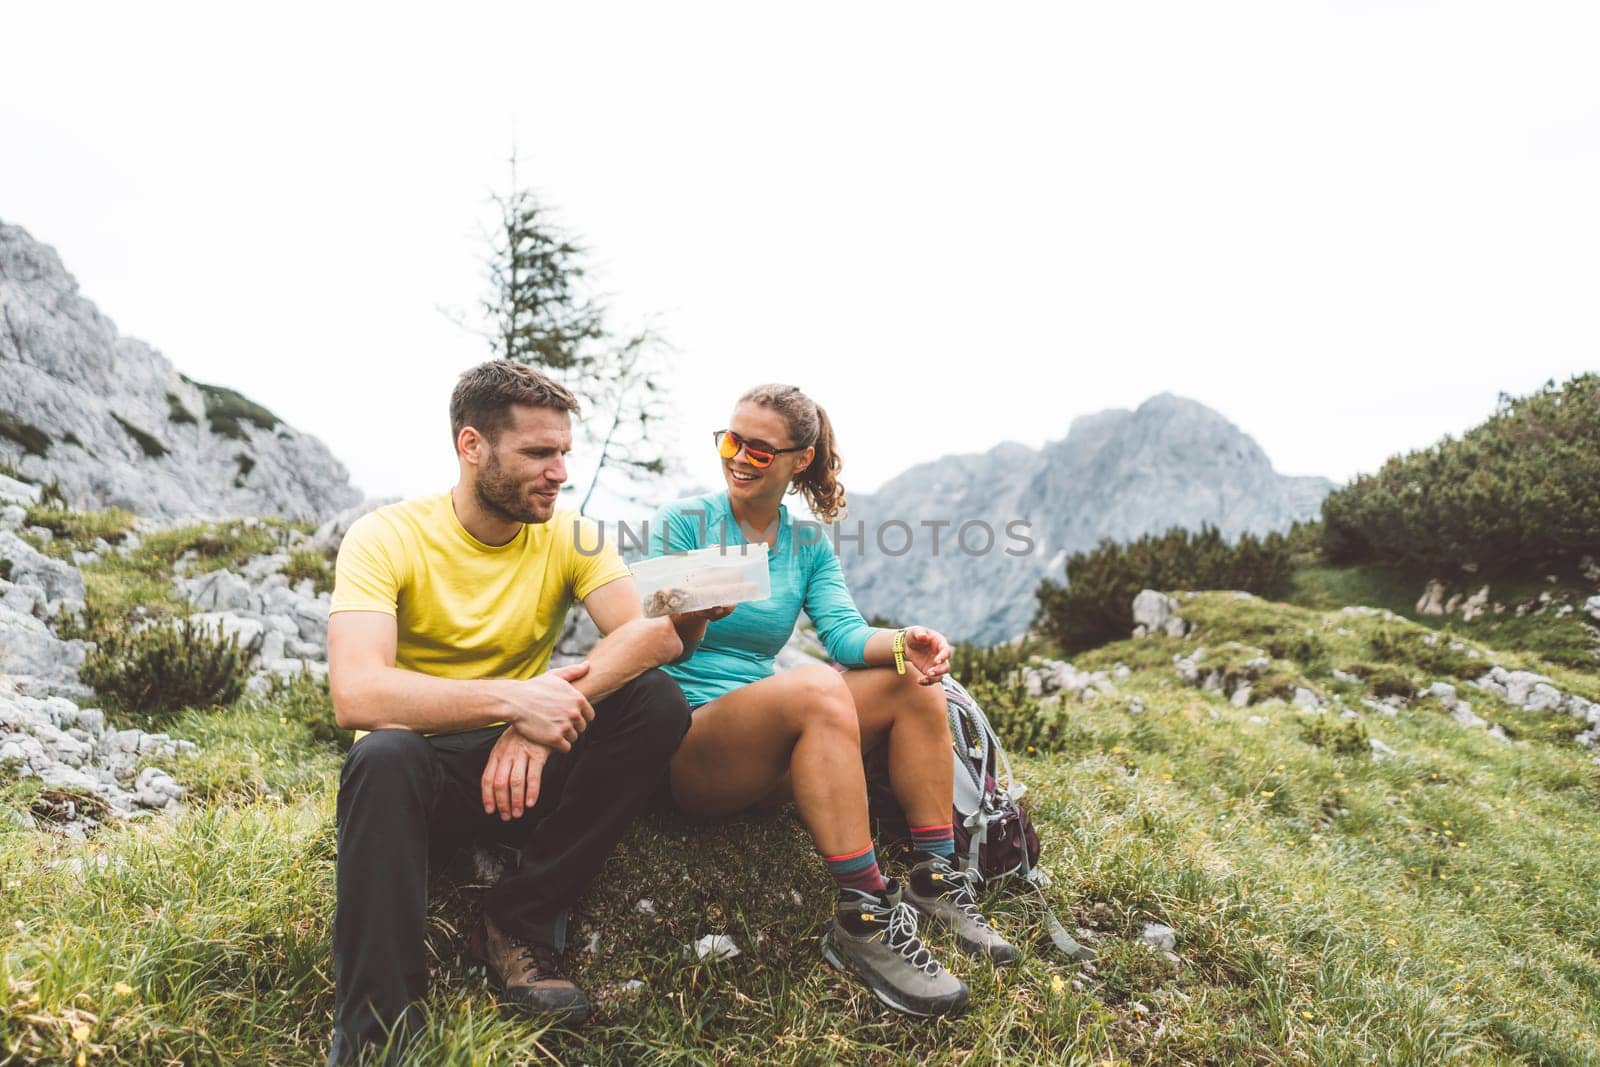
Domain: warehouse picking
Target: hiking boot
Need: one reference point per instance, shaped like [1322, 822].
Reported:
[875, 938]
[943, 892]
[528, 974]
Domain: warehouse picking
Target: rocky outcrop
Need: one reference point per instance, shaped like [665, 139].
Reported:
[49, 728]
[72, 751]
[115, 424]
[36, 591]
[1118, 474]
[1536, 693]
[1157, 613]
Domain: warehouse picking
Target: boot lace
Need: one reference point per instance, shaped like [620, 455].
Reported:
[961, 894]
[904, 940]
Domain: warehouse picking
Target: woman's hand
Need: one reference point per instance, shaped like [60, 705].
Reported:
[691, 625]
[929, 653]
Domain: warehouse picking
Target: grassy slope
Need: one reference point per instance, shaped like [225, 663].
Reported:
[1329, 909]
[1568, 640]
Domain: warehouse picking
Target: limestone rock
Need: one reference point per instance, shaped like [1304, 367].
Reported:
[1432, 600]
[114, 422]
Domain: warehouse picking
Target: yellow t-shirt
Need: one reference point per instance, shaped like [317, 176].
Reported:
[464, 609]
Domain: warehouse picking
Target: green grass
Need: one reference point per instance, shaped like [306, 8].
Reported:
[1569, 640]
[1439, 906]
[79, 530]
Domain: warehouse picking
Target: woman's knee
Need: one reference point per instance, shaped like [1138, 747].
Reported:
[822, 701]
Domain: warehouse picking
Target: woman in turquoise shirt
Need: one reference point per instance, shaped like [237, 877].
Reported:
[757, 737]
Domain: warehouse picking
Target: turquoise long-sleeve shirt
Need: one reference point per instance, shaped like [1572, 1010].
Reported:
[806, 575]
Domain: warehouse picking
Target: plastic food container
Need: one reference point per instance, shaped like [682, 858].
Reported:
[703, 578]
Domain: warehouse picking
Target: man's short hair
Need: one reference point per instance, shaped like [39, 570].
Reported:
[484, 396]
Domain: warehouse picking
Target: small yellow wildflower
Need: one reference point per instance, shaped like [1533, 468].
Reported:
[80, 1033]
[1266, 792]
[122, 989]
[1057, 985]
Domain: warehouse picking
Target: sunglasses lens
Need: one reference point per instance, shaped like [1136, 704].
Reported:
[729, 443]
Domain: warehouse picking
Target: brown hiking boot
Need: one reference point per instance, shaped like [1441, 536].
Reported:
[528, 974]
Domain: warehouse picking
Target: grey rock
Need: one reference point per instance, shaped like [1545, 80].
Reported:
[1241, 696]
[1153, 609]
[1305, 698]
[1159, 937]
[226, 624]
[1462, 713]
[1544, 697]
[1442, 690]
[54, 578]
[1431, 602]
[14, 492]
[68, 372]
[1592, 606]
[1380, 751]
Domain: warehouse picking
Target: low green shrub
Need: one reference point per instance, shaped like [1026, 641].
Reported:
[1096, 603]
[1348, 737]
[153, 673]
[29, 437]
[1517, 487]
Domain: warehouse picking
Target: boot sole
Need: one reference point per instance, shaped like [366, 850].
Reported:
[838, 961]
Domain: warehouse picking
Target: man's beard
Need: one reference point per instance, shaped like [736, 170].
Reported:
[501, 496]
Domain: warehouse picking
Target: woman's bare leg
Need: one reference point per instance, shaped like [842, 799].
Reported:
[800, 723]
[912, 720]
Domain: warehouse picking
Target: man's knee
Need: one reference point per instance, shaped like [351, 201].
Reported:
[385, 756]
[657, 704]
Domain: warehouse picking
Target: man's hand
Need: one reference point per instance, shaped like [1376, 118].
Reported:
[511, 777]
[548, 710]
[929, 653]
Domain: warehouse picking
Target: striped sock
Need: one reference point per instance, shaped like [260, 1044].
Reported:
[857, 870]
[934, 840]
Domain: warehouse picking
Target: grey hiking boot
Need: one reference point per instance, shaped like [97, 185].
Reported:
[875, 938]
[528, 974]
[944, 894]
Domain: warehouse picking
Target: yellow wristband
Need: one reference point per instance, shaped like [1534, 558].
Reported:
[900, 652]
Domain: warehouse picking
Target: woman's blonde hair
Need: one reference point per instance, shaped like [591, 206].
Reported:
[808, 427]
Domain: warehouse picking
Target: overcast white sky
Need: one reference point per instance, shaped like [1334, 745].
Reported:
[1347, 226]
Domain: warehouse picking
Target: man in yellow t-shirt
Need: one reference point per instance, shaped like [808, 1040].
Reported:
[445, 610]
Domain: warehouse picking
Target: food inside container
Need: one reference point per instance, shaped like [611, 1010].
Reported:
[704, 578]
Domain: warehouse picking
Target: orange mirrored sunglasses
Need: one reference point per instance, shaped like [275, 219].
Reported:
[729, 443]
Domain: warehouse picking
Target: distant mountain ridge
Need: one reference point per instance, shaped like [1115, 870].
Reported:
[114, 422]
[1117, 474]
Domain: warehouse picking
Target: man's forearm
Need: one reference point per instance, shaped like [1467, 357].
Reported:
[395, 698]
[627, 652]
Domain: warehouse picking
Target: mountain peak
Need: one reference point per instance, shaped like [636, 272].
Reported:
[1172, 461]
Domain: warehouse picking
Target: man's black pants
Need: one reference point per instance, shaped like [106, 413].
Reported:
[404, 797]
